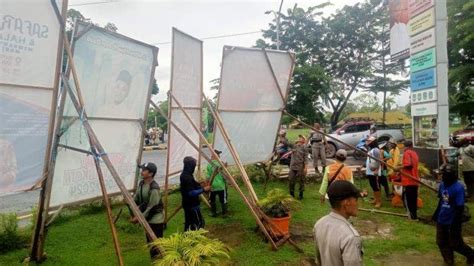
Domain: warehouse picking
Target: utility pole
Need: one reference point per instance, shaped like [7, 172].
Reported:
[277, 19]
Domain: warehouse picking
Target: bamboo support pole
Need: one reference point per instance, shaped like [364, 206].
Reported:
[109, 209]
[232, 150]
[383, 212]
[365, 153]
[252, 207]
[95, 142]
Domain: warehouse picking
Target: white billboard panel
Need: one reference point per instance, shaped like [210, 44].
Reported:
[29, 70]
[249, 101]
[186, 86]
[28, 42]
[115, 75]
[75, 175]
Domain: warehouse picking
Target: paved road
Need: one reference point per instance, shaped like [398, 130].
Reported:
[25, 201]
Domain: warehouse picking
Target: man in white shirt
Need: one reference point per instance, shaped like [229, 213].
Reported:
[337, 241]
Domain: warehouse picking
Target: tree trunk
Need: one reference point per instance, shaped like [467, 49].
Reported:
[384, 106]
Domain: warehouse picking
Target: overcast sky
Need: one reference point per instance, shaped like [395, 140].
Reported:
[151, 21]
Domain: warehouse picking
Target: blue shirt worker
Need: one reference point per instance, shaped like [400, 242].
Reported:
[449, 218]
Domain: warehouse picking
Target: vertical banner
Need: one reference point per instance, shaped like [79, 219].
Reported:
[30, 60]
[254, 86]
[399, 34]
[115, 74]
[186, 86]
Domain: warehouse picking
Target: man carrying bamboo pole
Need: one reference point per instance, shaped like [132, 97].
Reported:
[190, 191]
[298, 166]
[148, 199]
[410, 187]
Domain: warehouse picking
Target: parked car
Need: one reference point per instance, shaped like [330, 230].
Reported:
[463, 137]
[352, 132]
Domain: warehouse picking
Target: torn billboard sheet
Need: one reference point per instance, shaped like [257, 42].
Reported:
[254, 86]
[186, 87]
[29, 72]
[115, 74]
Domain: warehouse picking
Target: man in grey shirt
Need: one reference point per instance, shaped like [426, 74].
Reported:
[337, 242]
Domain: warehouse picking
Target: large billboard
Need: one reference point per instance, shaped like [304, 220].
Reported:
[186, 87]
[254, 87]
[30, 57]
[399, 33]
[115, 75]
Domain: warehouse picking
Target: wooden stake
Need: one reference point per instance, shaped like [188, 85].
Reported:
[252, 207]
[108, 208]
[230, 146]
[354, 148]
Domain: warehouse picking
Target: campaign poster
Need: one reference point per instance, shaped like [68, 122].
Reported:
[399, 32]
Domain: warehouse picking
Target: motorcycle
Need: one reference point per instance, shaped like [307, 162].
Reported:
[361, 150]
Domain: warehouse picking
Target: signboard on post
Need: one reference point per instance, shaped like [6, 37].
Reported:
[253, 90]
[423, 79]
[422, 22]
[424, 109]
[415, 7]
[423, 60]
[116, 75]
[30, 61]
[423, 96]
[399, 36]
[422, 41]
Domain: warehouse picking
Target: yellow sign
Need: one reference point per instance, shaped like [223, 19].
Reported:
[422, 22]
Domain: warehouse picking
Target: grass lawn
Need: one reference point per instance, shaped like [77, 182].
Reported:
[83, 238]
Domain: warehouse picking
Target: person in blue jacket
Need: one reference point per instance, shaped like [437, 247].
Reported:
[448, 217]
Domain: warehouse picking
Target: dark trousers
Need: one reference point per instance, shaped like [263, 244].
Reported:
[158, 230]
[374, 182]
[296, 176]
[222, 194]
[449, 239]
[469, 180]
[384, 183]
[193, 219]
[410, 198]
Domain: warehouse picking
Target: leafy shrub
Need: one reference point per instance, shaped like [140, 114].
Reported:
[191, 248]
[9, 237]
[423, 170]
[278, 203]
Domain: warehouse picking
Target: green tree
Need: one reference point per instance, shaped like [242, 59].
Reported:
[156, 119]
[300, 31]
[461, 56]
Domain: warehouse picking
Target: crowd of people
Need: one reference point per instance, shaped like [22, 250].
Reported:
[337, 241]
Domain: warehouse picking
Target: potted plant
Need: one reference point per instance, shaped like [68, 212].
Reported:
[277, 205]
[191, 248]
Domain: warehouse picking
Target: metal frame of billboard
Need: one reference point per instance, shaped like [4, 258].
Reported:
[171, 107]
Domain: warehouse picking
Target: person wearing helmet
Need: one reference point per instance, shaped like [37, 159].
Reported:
[335, 171]
[449, 218]
[373, 170]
